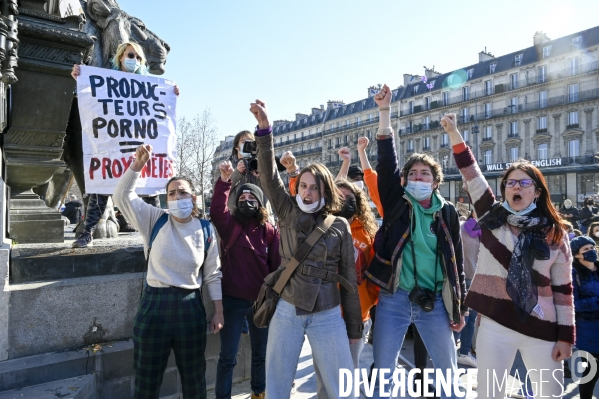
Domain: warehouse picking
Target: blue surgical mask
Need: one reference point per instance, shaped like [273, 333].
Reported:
[419, 190]
[590, 256]
[523, 212]
[131, 64]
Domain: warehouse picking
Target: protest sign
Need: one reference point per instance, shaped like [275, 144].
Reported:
[119, 112]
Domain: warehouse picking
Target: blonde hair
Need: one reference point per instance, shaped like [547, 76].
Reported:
[120, 50]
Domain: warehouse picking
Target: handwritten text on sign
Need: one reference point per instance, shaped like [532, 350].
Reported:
[119, 112]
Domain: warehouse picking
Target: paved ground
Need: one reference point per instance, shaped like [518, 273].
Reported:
[305, 384]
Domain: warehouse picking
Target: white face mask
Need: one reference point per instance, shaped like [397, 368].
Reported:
[597, 234]
[359, 184]
[523, 212]
[419, 190]
[309, 208]
[181, 208]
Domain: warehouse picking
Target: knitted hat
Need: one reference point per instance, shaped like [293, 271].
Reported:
[579, 242]
[254, 190]
[354, 171]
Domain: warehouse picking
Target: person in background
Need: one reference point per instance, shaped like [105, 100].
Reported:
[171, 314]
[129, 57]
[569, 212]
[585, 279]
[73, 210]
[249, 252]
[310, 302]
[526, 311]
[470, 244]
[593, 232]
[577, 233]
[588, 214]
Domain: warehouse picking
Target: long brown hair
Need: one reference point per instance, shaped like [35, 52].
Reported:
[238, 138]
[363, 212]
[195, 211]
[544, 205]
[333, 201]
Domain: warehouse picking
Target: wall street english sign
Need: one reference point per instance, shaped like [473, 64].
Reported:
[542, 163]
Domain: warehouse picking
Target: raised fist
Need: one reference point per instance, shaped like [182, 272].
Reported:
[383, 97]
[143, 153]
[363, 143]
[344, 154]
[226, 170]
[260, 113]
[449, 122]
[288, 161]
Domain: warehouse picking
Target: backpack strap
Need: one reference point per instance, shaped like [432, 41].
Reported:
[157, 226]
[207, 236]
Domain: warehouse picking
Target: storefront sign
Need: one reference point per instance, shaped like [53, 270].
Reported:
[539, 164]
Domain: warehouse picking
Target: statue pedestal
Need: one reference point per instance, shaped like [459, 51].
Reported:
[31, 221]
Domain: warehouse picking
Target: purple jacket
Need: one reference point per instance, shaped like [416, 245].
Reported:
[250, 256]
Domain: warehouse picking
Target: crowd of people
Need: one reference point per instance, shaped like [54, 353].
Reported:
[517, 269]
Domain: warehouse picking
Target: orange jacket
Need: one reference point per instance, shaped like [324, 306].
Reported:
[371, 181]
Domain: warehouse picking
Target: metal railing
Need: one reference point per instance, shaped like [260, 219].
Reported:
[502, 88]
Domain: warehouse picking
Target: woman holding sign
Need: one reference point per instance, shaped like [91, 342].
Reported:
[130, 58]
[171, 314]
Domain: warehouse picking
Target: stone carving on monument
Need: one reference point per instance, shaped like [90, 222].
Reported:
[43, 142]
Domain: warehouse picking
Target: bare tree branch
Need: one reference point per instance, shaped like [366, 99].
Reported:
[196, 142]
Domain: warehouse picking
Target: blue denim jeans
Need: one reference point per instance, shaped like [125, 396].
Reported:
[467, 332]
[327, 335]
[236, 310]
[394, 314]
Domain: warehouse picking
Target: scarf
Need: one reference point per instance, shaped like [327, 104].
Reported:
[531, 245]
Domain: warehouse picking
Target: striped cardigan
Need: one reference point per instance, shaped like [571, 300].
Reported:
[488, 295]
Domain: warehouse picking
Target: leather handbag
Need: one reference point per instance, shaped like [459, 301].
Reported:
[270, 292]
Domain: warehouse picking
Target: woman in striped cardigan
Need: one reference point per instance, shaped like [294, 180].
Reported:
[523, 283]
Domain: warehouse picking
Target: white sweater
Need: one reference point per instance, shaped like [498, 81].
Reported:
[177, 255]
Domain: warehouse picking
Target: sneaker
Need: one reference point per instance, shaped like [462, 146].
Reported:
[84, 241]
[468, 360]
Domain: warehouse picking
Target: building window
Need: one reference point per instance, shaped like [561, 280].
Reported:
[488, 110]
[465, 93]
[492, 67]
[466, 135]
[432, 83]
[415, 89]
[445, 98]
[317, 130]
[427, 103]
[573, 66]
[542, 151]
[542, 122]
[577, 43]
[369, 117]
[426, 122]
[543, 99]
[411, 107]
[513, 129]
[444, 140]
[338, 140]
[513, 81]
[573, 118]
[464, 115]
[427, 143]
[488, 157]
[546, 51]
[347, 123]
[513, 105]
[346, 140]
[573, 148]
[542, 74]
[488, 132]
[573, 93]
[518, 60]
[488, 88]
[514, 153]
[470, 72]
[358, 120]
[410, 145]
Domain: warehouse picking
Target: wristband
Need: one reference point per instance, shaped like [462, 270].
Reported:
[384, 109]
[294, 174]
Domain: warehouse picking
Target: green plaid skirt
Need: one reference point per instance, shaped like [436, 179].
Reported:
[170, 318]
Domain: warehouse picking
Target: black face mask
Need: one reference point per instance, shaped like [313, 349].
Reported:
[349, 208]
[248, 209]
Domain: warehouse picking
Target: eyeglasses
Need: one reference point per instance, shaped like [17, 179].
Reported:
[522, 182]
[132, 55]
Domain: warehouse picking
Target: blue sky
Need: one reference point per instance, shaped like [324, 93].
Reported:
[296, 55]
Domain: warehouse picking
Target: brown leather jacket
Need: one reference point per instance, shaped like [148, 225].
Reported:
[311, 288]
